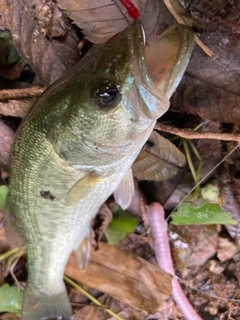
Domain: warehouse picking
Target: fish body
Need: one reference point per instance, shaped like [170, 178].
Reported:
[73, 150]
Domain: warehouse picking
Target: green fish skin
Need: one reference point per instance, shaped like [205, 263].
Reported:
[72, 151]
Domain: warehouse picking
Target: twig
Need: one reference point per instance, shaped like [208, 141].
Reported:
[214, 296]
[12, 273]
[163, 254]
[191, 134]
[179, 20]
[21, 93]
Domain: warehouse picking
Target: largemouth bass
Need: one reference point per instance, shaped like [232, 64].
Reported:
[75, 148]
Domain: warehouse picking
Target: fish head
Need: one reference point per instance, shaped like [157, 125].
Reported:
[112, 103]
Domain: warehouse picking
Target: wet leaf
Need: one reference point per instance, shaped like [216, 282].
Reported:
[201, 212]
[122, 224]
[10, 299]
[3, 196]
[159, 160]
[49, 57]
[100, 20]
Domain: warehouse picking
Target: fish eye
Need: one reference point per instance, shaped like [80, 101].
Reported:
[107, 95]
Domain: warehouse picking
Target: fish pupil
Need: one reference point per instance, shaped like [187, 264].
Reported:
[107, 95]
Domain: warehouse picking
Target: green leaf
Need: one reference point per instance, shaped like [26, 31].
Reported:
[10, 299]
[201, 212]
[122, 224]
[159, 160]
[3, 196]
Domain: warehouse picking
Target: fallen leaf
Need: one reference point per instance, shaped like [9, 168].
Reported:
[49, 58]
[160, 159]
[51, 19]
[231, 204]
[92, 312]
[6, 141]
[126, 277]
[102, 220]
[192, 245]
[100, 20]
[15, 108]
[222, 71]
[197, 97]
[9, 316]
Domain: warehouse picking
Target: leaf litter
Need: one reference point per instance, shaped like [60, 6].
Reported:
[207, 88]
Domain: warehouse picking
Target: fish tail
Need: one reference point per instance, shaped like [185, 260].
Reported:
[40, 305]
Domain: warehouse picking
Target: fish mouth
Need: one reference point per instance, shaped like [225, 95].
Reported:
[159, 67]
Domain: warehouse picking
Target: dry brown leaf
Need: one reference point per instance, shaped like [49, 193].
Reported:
[212, 86]
[49, 58]
[92, 312]
[6, 141]
[102, 220]
[221, 22]
[3, 6]
[101, 19]
[208, 102]
[51, 19]
[160, 159]
[15, 108]
[192, 246]
[128, 278]
[9, 316]
[12, 71]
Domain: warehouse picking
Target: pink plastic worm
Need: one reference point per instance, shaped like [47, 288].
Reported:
[159, 229]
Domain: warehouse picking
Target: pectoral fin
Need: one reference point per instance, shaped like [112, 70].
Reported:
[82, 253]
[82, 188]
[124, 192]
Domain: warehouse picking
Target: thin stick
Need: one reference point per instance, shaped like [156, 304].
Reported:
[214, 296]
[179, 20]
[191, 134]
[12, 273]
[21, 93]
[90, 297]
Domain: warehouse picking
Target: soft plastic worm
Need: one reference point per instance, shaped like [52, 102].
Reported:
[159, 229]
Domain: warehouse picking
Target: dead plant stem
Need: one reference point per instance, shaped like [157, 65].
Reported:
[191, 134]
